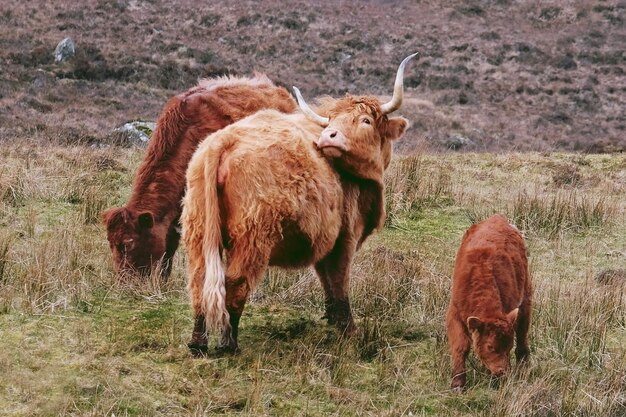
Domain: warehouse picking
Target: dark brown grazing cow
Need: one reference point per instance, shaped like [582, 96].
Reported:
[145, 232]
[491, 298]
[286, 190]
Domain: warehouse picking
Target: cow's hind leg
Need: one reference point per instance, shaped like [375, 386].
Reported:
[245, 268]
[522, 349]
[198, 343]
[237, 290]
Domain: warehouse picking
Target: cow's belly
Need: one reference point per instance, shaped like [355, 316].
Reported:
[294, 250]
[305, 242]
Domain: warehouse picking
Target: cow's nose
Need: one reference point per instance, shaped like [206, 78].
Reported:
[499, 372]
[331, 138]
[329, 134]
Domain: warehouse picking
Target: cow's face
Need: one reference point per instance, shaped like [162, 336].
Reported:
[359, 135]
[358, 131]
[492, 341]
[134, 243]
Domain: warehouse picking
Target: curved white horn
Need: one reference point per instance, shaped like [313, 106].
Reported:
[308, 112]
[398, 88]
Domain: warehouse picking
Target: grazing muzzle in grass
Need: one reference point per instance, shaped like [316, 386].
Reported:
[136, 246]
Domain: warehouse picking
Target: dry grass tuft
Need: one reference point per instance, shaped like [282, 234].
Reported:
[412, 185]
[562, 211]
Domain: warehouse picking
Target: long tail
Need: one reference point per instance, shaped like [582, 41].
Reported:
[202, 233]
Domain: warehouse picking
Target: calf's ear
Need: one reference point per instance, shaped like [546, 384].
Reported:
[114, 215]
[396, 127]
[512, 316]
[474, 324]
[145, 220]
[107, 214]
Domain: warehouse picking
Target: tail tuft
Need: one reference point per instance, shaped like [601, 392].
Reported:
[214, 292]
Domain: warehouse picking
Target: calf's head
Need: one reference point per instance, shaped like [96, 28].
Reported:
[135, 244]
[358, 131]
[492, 340]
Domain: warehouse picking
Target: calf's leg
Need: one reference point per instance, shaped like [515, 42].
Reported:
[459, 348]
[522, 349]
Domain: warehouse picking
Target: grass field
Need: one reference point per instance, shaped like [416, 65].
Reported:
[75, 340]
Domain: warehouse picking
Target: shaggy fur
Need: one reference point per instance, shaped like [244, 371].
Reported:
[145, 231]
[491, 298]
[261, 191]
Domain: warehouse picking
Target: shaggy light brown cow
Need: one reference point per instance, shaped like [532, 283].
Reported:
[145, 232]
[290, 190]
[491, 298]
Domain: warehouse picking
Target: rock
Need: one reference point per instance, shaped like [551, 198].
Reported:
[456, 142]
[134, 133]
[42, 79]
[65, 49]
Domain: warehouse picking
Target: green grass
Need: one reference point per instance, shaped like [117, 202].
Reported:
[77, 341]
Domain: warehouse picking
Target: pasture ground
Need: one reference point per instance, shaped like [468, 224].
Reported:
[77, 341]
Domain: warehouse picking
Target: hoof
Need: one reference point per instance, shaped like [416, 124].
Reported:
[227, 350]
[197, 350]
[522, 356]
[458, 383]
[330, 319]
[347, 329]
[458, 390]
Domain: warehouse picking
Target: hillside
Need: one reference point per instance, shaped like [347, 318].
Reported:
[497, 75]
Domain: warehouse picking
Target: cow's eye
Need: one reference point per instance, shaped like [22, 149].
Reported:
[367, 121]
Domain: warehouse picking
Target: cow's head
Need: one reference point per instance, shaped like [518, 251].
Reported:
[492, 340]
[358, 131]
[135, 244]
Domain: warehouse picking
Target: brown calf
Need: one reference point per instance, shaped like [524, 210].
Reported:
[491, 298]
[286, 190]
[145, 231]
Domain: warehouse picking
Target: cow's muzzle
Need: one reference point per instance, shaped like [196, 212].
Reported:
[332, 139]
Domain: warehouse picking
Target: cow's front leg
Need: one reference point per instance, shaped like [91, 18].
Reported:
[334, 274]
[329, 301]
[171, 244]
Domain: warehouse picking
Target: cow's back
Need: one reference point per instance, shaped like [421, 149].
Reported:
[491, 264]
[274, 182]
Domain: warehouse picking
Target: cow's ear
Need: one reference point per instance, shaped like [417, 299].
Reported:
[396, 127]
[145, 220]
[474, 324]
[512, 316]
